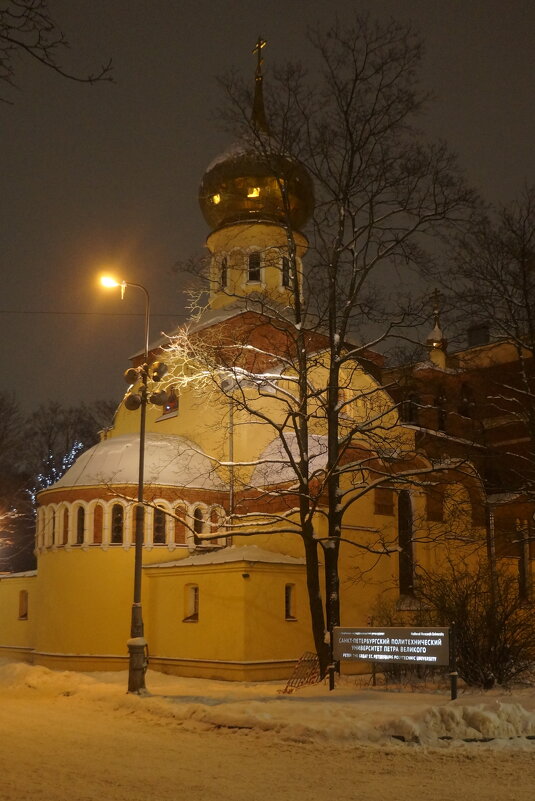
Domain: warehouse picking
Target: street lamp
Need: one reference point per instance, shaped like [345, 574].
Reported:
[137, 643]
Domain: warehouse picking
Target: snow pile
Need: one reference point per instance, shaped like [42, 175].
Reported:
[349, 715]
[496, 720]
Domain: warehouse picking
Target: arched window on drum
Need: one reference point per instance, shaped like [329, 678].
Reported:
[97, 524]
[80, 526]
[117, 524]
[198, 524]
[65, 527]
[159, 526]
[180, 525]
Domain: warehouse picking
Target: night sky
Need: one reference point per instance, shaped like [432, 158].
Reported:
[103, 174]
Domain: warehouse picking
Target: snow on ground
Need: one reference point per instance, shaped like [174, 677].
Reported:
[80, 737]
[350, 714]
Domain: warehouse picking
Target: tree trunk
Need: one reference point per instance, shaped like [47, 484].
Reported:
[315, 601]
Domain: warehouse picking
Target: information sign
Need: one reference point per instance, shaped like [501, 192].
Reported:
[418, 646]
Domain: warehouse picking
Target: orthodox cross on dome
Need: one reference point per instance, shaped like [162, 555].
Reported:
[260, 44]
[259, 114]
[436, 306]
[436, 341]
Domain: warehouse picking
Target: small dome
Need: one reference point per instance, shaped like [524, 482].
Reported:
[240, 185]
[274, 465]
[169, 461]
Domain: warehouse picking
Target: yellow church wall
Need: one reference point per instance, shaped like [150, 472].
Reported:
[269, 635]
[17, 616]
[83, 604]
[234, 242]
[241, 631]
[218, 633]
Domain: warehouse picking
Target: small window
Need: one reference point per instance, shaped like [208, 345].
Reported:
[406, 552]
[117, 521]
[507, 541]
[191, 603]
[478, 509]
[410, 408]
[285, 269]
[440, 405]
[466, 403]
[23, 605]
[80, 525]
[289, 602]
[224, 273]
[254, 267]
[158, 533]
[172, 402]
[384, 501]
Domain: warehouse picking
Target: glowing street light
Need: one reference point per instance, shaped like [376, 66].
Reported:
[137, 643]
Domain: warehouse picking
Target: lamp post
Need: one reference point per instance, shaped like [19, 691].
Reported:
[137, 643]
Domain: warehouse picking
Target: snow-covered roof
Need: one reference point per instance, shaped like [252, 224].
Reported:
[23, 574]
[274, 464]
[169, 461]
[497, 498]
[246, 553]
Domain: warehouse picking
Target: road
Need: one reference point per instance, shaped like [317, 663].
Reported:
[62, 748]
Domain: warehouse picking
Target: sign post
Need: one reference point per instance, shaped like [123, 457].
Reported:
[397, 646]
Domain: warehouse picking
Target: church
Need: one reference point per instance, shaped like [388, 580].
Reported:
[224, 576]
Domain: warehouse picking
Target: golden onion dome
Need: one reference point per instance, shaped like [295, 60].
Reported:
[241, 185]
[246, 184]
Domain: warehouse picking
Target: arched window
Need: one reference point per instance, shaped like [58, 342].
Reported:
[65, 526]
[138, 523]
[406, 557]
[40, 527]
[49, 525]
[198, 524]
[254, 267]
[158, 529]
[117, 524]
[180, 527]
[215, 520]
[224, 272]
[97, 524]
[80, 526]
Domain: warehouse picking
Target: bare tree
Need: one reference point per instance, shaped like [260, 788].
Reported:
[490, 281]
[55, 435]
[13, 481]
[379, 193]
[28, 28]
[35, 451]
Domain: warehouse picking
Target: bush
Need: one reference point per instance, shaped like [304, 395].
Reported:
[495, 630]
